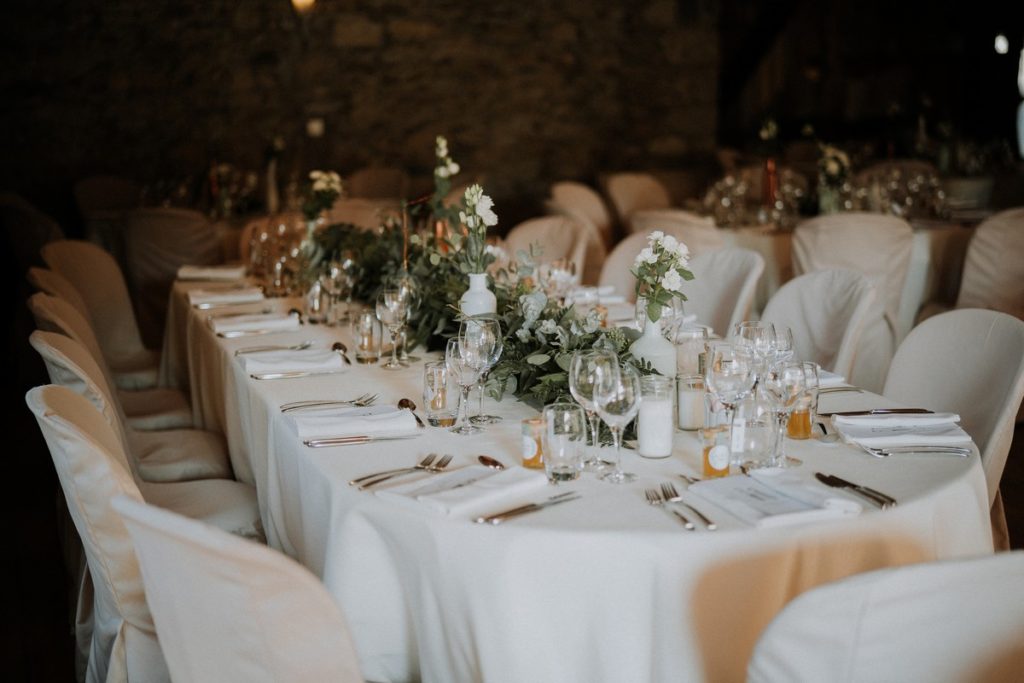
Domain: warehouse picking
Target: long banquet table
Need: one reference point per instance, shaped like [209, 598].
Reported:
[605, 588]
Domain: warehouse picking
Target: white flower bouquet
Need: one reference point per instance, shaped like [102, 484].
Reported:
[833, 166]
[477, 214]
[660, 270]
[324, 190]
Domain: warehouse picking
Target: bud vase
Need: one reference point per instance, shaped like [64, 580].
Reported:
[655, 349]
[478, 299]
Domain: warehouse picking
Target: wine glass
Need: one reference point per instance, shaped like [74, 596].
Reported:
[485, 332]
[582, 377]
[784, 385]
[757, 337]
[407, 285]
[466, 376]
[782, 346]
[728, 375]
[617, 397]
[391, 310]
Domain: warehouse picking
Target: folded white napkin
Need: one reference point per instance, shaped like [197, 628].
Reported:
[315, 360]
[775, 498]
[830, 379]
[211, 272]
[468, 490]
[225, 296]
[256, 321]
[353, 421]
[926, 429]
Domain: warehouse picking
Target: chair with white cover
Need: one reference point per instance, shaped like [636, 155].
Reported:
[723, 287]
[616, 269]
[146, 409]
[970, 362]
[100, 284]
[53, 283]
[559, 237]
[574, 199]
[169, 455]
[698, 233]
[941, 622]
[158, 241]
[630, 192]
[994, 267]
[826, 310]
[219, 601]
[878, 246]
[377, 182]
[115, 630]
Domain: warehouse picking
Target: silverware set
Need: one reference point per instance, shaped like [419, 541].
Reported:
[425, 465]
[669, 494]
[294, 373]
[301, 346]
[880, 499]
[878, 452]
[359, 402]
[500, 517]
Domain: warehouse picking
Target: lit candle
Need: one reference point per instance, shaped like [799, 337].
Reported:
[303, 6]
[655, 423]
[691, 402]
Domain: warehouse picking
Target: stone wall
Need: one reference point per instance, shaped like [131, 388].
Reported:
[527, 92]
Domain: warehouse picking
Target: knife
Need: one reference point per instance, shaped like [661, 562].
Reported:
[500, 517]
[232, 334]
[296, 373]
[353, 440]
[880, 411]
[882, 500]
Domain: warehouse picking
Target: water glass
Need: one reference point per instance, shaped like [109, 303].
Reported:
[752, 435]
[367, 332]
[466, 374]
[802, 420]
[565, 433]
[655, 425]
[440, 394]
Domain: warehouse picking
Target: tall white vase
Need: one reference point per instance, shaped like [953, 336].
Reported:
[655, 349]
[478, 299]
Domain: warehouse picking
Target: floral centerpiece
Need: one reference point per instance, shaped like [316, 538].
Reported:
[660, 270]
[471, 253]
[324, 189]
[833, 171]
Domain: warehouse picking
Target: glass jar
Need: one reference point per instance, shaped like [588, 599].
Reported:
[655, 424]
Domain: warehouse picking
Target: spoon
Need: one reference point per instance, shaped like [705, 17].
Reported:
[338, 346]
[408, 403]
[490, 462]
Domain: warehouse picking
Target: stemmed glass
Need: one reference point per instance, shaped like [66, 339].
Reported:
[466, 376]
[785, 385]
[728, 375]
[484, 334]
[782, 346]
[391, 311]
[405, 284]
[757, 338]
[617, 397]
[582, 378]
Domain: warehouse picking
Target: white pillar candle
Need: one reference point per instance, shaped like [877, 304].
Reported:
[655, 427]
[690, 401]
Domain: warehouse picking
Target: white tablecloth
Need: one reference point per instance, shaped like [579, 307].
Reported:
[605, 588]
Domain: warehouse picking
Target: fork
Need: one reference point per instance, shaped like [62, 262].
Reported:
[425, 462]
[886, 452]
[441, 464]
[359, 402]
[654, 498]
[671, 495]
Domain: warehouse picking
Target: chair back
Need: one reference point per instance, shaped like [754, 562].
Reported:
[158, 241]
[942, 622]
[616, 269]
[970, 362]
[90, 464]
[100, 283]
[53, 283]
[696, 232]
[579, 200]
[377, 182]
[218, 601]
[724, 283]
[994, 268]
[631, 192]
[558, 237]
[826, 310]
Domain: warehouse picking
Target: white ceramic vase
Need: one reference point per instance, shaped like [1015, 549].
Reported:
[655, 349]
[478, 299]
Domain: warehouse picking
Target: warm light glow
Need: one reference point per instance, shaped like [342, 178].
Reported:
[1002, 44]
[303, 6]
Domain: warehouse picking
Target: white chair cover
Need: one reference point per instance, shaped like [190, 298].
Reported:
[579, 200]
[724, 283]
[826, 311]
[616, 269]
[559, 237]
[171, 455]
[994, 267]
[53, 283]
[631, 192]
[941, 622]
[878, 246]
[123, 639]
[158, 242]
[230, 610]
[145, 408]
[377, 182]
[969, 362]
[96, 277]
[697, 232]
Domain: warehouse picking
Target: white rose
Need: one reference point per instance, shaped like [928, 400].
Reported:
[547, 326]
[523, 335]
[672, 281]
[683, 252]
[453, 168]
[669, 243]
[655, 236]
[442, 171]
[483, 210]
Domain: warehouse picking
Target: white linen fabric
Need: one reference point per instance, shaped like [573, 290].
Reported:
[559, 237]
[216, 273]
[351, 421]
[144, 408]
[942, 622]
[696, 232]
[881, 431]
[170, 455]
[230, 610]
[469, 490]
[241, 295]
[313, 360]
[100, 284]
[255, 321]
[826, 311]
[583, 203]
[994, 270]
[878, 246]
[631, 192]
[721, 293]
